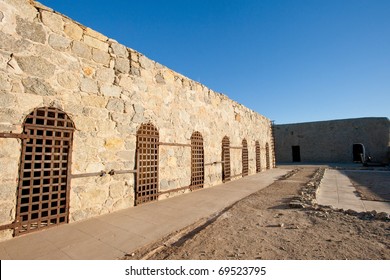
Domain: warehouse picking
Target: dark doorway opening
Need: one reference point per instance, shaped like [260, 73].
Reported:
[296, 153]
[358, 152]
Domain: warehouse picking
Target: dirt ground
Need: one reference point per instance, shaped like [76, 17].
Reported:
[264, 226]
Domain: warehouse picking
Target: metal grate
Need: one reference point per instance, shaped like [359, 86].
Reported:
[147, 164]
[44, 177]
[267, 156]
[258, 164]
[225, 159]
[244, 158]
[197, 161]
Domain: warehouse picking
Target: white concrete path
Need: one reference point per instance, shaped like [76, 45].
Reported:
[337, 190]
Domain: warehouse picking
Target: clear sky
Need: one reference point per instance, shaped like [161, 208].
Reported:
[291, 61]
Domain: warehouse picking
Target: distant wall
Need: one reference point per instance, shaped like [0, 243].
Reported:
[108, 91]
[332, 141]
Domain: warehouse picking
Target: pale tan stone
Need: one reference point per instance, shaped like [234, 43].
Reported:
[114, 144]
[68, 80]
[90, 32]
[53, 21]
[110, 91]
[95, 43]
[73, 30]
[94, 101]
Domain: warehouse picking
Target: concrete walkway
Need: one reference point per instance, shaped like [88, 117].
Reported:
[337, 190]
[111, 236]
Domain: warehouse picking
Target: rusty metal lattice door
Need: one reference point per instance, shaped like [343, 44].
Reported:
[44, 176]
[245, 158]
[258, 164]
[267, 156]
[147, 164]
[197, 161]
[226, 159]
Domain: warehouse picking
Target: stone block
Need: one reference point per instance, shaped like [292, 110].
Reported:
[117, 189]
[106, 75]
[36, 66]
[53, 21]
[82, 50]
[38, 86]
[9, 43]
[126, 155]
[73, 30]
[106, 128]
[95, 43]
[146, 63]
[10, 148]
[68, 80]
[110, 91]
[8, 191]
[122, 65]
[159, 79]
[24, 8]
[30, 30]
[116, 105]
[27, 102]
[94, 101]
[119, 50]
[101, 56]
[94, 167]
[96, 113]
[89, 85]
[7, 99]
[120, 118]
[90, 32]
[84, 124]
[6, 212]
[58, 42]
[126, 82]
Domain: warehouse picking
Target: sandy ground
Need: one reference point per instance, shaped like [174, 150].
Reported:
[264, 226]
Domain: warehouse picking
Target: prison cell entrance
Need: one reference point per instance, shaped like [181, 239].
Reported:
[44, 172]
[197, 161]
[267, 156]
[146, 188]
[258, 165]
[296, 153]
[245, 163]
[225, 159]
[358, 152]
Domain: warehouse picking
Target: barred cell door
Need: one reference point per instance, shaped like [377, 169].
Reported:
[267, 156]
[44, 176]
[258, 164]
[197, 161]
[147, 164]
[245, 164]
[225, 159]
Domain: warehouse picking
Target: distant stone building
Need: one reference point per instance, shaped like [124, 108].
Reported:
[89, 126]
[333, 141]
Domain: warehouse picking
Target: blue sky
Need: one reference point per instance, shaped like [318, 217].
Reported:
[291, 61]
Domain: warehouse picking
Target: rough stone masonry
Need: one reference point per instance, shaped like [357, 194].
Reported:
[107, 91]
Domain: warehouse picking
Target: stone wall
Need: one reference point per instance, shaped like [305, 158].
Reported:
[108, 91]
[332, 141]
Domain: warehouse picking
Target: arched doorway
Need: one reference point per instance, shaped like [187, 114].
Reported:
[245, 167]
[197, 161]
[258, 164]
[44, 172]
[146, 188]
[225, 159]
